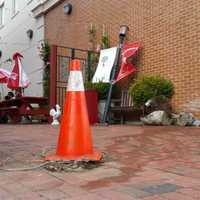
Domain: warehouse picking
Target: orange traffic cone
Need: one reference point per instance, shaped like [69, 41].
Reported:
[75, 141]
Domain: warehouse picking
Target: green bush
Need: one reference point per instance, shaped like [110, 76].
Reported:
[101, 88]
[45, 56]
[148, 87]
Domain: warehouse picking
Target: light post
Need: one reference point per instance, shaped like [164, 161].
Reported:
[122, 34]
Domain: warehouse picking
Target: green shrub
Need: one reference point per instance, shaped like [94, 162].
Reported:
[45, 56]
[148, 87]
[101, 88]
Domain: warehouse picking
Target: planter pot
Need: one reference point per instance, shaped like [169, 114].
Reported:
[92, 105]
[101, 108]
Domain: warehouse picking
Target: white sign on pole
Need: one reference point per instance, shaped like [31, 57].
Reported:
[104, 68]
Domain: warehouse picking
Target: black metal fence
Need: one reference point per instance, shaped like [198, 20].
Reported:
[64, 56]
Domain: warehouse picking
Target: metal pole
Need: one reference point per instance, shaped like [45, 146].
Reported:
[89, 66]
[113, 74]
[73, 53]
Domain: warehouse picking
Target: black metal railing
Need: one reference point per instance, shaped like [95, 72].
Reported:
[64, 56]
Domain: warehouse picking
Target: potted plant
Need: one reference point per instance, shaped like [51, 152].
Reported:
[148, 87]
[102, 92]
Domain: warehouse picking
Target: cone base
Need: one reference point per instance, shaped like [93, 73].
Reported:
[96, 156]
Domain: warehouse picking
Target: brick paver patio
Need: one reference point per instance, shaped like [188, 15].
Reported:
[145, 163]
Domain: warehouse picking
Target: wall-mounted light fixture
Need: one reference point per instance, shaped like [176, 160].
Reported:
[67, 8]
[29, 34]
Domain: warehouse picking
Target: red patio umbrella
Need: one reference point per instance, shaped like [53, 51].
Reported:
[18, 78]
[4, 76]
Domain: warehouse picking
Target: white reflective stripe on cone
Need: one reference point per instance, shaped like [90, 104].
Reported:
[75, 81]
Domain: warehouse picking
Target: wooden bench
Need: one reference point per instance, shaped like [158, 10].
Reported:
[9, 112]
[123, 108]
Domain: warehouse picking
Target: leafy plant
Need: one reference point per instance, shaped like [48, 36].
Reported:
[101, 88]
[45, 56]
[92, 35]
[95, 48]
[147, 87]
[105, 42]
[46, 81]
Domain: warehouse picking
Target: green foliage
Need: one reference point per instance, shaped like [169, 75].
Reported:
[45, 56]
[45, 52]
[101, 88]
[92, 35]
[105, 43]
[46, 81]
[148, 87]
[96, 46]
[92, 30]
[93, 61]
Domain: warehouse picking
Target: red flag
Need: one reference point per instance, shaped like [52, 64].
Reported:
[127, 68]
[18, 78]
[4, 75]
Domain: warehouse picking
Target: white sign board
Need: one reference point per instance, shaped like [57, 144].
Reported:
[106, 62]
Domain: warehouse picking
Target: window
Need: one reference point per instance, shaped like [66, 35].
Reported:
[1, 14]
[29, 1]
[14, 7]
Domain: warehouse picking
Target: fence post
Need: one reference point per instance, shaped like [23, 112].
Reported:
[53, 65]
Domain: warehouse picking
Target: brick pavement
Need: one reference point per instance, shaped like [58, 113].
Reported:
[145, 163]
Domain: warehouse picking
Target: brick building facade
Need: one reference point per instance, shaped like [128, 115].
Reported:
[169, 32]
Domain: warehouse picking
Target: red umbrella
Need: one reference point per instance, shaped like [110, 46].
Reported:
[18, 78]
[4, 76]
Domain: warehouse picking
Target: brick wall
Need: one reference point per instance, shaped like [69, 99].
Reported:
[169, 32]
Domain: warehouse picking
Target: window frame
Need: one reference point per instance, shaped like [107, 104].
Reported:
[14, 7]
[2, 14]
